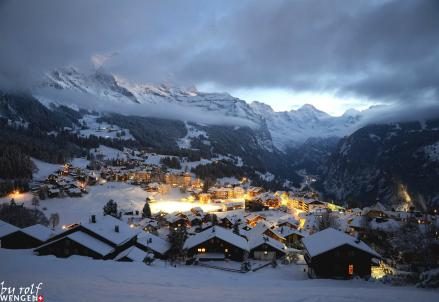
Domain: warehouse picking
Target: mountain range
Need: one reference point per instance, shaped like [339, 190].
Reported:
[103, 91]
[354, 160]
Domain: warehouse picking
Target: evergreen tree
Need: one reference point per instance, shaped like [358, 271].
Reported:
[111, 208]
[177, 237]
[146, 212]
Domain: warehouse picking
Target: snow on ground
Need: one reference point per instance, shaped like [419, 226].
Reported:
[102, 129]
[128, 197]
[267, 176]
[227, 181]
[44, 169]
[192, 132]
[109, 153]
[154, 159]
[81, 279]
[79, 162]
[432, 151]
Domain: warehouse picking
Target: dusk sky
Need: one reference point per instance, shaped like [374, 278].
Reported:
[335, 55]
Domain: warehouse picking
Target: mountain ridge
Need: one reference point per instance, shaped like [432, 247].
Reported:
[287, 129]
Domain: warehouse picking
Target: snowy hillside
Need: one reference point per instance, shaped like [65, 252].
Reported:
[109, 281]
[292, 127]
[99, 90]
[108, 93]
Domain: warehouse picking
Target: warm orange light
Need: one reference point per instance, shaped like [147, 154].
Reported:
[351, 269]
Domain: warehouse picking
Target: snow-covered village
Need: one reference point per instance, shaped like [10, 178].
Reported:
[129, 207]
[283, 150]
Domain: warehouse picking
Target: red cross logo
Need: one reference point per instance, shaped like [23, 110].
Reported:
[40, 298]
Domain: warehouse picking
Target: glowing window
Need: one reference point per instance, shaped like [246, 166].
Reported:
[226, 250]
[351, 269]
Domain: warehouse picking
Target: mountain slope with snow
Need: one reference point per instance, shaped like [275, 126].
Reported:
[104, 92]
[294, 127]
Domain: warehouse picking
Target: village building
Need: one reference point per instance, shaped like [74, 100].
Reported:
[12, 237]
[151, 243]
[216, 243]
[204, 197]
[176, 220]
[252, 192]
[266, 248]
[334, 254]
[221, 193]
[264, 228]
[230, 220]
[100, 237]
[268, 199]
[288, 222]
[252, 219]
[131, 254]
[293, 237]
[376, 211]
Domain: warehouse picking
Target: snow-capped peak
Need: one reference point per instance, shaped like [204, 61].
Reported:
[108, 92]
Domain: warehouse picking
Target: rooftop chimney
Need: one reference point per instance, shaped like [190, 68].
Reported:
[93, 218]
[116, 228]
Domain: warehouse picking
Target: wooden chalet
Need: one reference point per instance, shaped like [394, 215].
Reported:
[334, 254]
[131, 254]
[266, 248]
[150, 243]
[263, 228]
[12, 237]
[216, 243]
[101, 237]
[293, 237]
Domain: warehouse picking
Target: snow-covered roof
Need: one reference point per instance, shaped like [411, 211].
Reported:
[153, 242]
[173, 217]
[252, 216]
[216, 232]
[266, 196]
[133, 253]
[148, 221]
[329, 239]
[286, 231]
[234, 218]
[357, 222]
[90, 242]
[38, 231]
[257, 241]
[6, 228]
[259, 230]
[287, 219]
[105, 227]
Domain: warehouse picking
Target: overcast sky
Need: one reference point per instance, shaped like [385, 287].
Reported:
[333, 54]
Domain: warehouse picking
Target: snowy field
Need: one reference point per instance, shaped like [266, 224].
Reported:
[81, 279]
[128, 197]
[102, 129]
[43, 169]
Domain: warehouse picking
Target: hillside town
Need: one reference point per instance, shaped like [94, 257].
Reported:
[225, 225]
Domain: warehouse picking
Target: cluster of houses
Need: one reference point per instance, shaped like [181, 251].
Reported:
[68, 181]
[237, 237]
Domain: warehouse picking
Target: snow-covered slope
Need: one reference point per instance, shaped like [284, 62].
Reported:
[289, 128]
[185, 104]
[106, 92]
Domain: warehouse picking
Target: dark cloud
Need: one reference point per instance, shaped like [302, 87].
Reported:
[381, 50]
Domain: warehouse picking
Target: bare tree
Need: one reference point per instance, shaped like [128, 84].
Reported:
[35, 202]
[54, 220]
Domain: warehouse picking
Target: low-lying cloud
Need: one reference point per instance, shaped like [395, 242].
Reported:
[384, 50]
